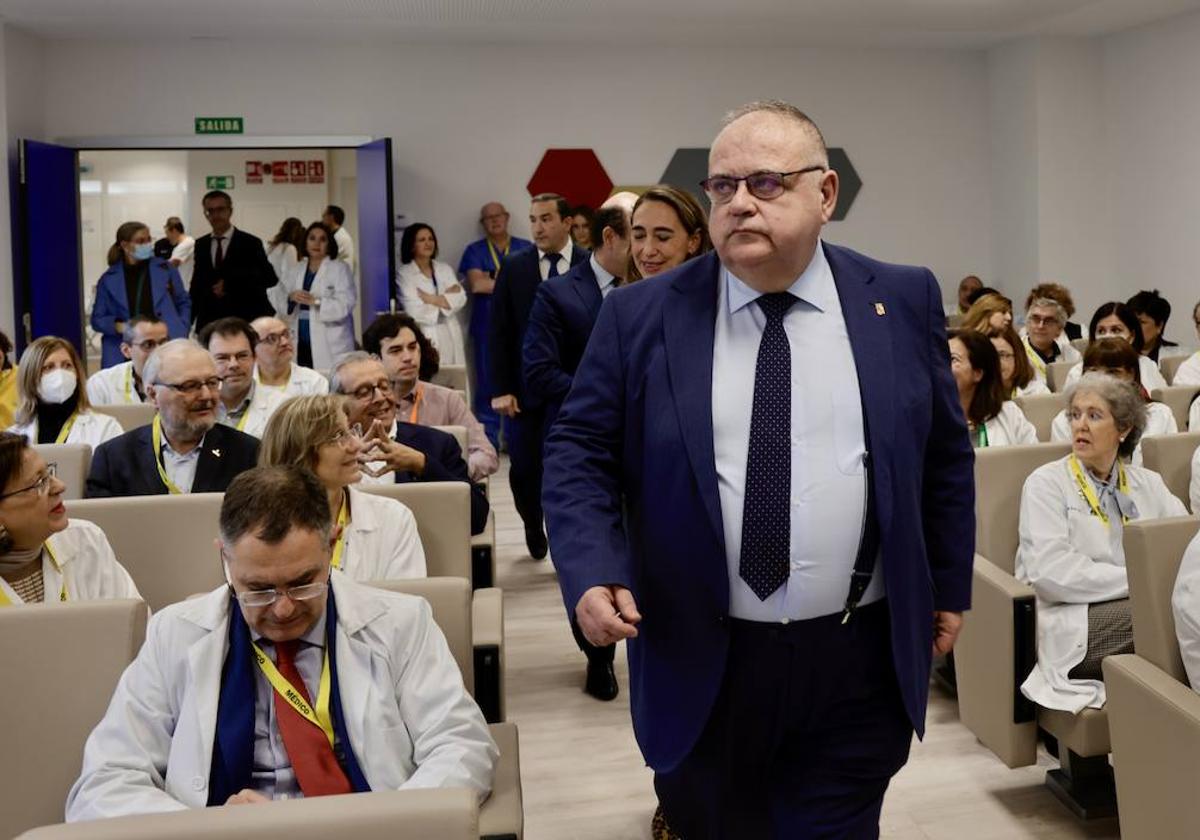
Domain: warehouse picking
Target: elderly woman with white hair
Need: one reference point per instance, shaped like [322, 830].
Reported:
[1073, 513]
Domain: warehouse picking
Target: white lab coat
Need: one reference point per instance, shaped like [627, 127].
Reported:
[264, 402]
[113, 386]
[1066, 353]
[410, 721]
[1010, 427]
[1160, 420]
[441, 326]
[332, 320]
[284, 259]
[1194, 416]
[1188, 373]
[89, 427]
[1066, 555]
[1034, 388]
[301, 382]
[1185, 604]
[85, 561]
[1150, 375]
[345, 243]
[1194, 486]
[185, 251]
[381, 540]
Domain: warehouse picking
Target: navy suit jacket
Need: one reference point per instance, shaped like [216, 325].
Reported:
[564, 312]
[631, 484]
[124, 466]
[443, 462]
[516, 284]
[247, 274]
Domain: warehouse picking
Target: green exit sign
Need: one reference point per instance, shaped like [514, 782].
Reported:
[218, 182]
[219, 125]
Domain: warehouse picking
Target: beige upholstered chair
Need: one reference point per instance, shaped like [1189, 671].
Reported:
[1080, 344]
[1171, 457]
[1041, 409]
[1000, 633]
[447, 814]
[1179, 400]
[60, 663]
[954, 320]
[450, 598]
[129, 416]
[1154, 717]
[1169, 365]
[1056, 375]
[483, 545]
[452, 376]
[73, 459]
[165, 542]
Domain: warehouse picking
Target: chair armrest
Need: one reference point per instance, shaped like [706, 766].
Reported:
[487, 637]
[993, 655]
[483, 555]
[501, 817]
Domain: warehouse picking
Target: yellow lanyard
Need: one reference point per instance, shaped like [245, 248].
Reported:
[241, 424]
[319, 717]
[342, 521]
[156, 442]
[66, 429]
[5, 601]
[495, 256]
[1089, 493]
[1034, 358]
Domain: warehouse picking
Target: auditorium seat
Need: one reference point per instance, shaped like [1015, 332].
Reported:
[447, 814]
[129, 416]
[483, 544]
[1056, 375]
[1178, 399]
[1000, 634]
[61, 663]
[1154, 716]
[501, 816]
[1169, 364]
[74, 461]
[1080, 344]
[165, 542]
[453, 376]
[1040, 410]
[1171, 457]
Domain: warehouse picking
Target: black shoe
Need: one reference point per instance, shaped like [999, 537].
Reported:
[601, 680]
[535, 541]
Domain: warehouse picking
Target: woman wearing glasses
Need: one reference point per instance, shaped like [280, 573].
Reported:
[320, 301]
[992, 418]
[667, 228]
[378, 537]
[43, 556]
[137, 283]
[53, 406]
[1016, 371]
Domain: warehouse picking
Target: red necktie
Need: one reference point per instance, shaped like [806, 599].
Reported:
[316, 767]
[220, 258]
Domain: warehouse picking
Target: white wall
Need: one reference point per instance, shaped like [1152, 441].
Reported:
[1152, 161]
[469, 125]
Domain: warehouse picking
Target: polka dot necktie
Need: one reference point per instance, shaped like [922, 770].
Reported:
[766, 515]
[553, 258]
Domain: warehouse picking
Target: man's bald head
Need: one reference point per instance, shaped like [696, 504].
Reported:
[494, 219]
[624, 200]
[784, 111]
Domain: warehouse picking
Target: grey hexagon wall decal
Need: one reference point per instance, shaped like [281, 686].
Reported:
[848, 182]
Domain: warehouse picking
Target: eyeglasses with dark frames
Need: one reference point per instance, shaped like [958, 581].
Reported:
[766, 186]
[192, 386]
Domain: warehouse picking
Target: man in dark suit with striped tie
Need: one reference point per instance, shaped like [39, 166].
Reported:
[520, 275]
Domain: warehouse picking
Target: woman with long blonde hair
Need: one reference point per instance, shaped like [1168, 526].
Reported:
[52, 404]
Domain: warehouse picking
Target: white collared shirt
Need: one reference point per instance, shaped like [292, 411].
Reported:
[564, 265]
[181, 469]
[607, 282]
[226, 238]
[828, 481]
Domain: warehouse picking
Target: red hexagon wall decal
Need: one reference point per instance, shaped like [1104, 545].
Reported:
[575, 174]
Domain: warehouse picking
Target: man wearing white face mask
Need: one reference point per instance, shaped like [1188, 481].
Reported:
[52, 407]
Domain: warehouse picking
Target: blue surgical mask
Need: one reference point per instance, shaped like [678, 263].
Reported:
[144, 251]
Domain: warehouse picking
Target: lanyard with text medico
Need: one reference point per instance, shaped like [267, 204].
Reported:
[156, 443]
[342, 521]
[1089, 493]
[5, 601]
[66, 429]
[319, 717]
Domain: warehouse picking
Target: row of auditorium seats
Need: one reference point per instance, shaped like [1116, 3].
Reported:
[1041, 409]
[998, 648]
[1056, 372]
[61, 664]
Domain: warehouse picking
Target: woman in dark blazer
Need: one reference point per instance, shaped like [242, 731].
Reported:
[137, 283]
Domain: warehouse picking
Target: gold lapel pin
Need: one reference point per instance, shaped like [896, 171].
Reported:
[879, 310]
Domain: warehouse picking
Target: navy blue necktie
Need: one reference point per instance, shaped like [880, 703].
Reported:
[766, 514]
[553, 258]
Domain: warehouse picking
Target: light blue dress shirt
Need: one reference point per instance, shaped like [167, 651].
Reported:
[181, 469]
[604, 280]
[828, 479]
[273, 775]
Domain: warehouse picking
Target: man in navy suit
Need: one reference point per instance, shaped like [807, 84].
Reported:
[185, 450]
[232, 273]
[762, 479]
[520, 275]
[564, 310]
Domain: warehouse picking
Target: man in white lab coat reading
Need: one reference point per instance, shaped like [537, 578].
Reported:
[269, 687]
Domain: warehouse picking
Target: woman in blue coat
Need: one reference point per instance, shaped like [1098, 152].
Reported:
[137, 283]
